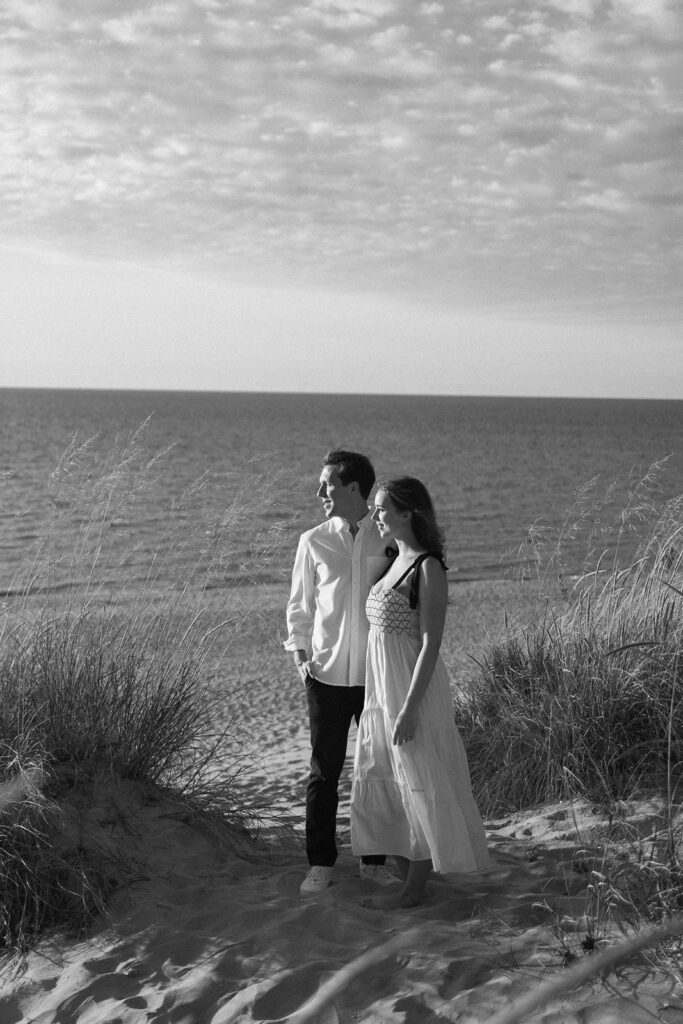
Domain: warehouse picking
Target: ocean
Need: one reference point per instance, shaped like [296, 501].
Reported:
[249, 463]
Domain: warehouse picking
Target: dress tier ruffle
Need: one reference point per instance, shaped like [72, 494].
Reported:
[413, 800]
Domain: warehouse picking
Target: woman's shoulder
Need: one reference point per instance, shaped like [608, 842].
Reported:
[431, 562]
[429, 578]
[432, 572]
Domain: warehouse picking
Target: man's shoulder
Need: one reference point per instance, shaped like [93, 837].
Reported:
[319, 532]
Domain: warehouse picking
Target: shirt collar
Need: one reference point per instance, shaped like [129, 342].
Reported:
[341, 525]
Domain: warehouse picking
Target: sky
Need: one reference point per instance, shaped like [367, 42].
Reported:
[454, 197]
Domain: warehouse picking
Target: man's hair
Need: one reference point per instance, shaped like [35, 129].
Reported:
[352, 467]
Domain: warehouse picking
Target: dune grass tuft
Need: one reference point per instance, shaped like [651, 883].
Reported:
[112, 637]
[576, 705]
[587, 699]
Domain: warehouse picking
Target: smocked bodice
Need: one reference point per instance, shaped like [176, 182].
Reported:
[389, 611]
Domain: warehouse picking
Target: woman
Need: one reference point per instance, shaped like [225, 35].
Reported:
[411, 794]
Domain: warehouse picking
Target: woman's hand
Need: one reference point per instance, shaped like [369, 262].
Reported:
[405, 728]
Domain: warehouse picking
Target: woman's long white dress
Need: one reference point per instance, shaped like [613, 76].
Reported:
[413, 800]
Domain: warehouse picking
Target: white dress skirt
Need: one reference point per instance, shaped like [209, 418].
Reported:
[413, 800]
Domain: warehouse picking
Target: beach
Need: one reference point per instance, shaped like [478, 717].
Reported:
[210, 927]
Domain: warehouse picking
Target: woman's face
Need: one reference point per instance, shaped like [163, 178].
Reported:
[387, 518]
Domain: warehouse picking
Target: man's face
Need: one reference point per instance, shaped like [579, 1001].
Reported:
[337, 498]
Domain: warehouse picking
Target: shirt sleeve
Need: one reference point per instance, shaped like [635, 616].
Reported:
[301, 604]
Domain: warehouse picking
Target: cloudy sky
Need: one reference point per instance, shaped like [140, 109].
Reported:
[465, 196]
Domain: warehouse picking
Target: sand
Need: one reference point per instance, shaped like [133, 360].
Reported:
[215, 933]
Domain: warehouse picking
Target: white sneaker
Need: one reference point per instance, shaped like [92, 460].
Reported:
[378, 874]
[317, 879]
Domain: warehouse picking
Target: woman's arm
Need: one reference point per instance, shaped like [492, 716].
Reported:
[433, 599]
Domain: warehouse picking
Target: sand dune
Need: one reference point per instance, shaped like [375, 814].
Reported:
[214, 934]
[208, 936]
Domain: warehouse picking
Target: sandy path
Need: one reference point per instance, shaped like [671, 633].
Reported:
[220, 938]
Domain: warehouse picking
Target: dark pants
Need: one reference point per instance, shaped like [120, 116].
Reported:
[330, 710]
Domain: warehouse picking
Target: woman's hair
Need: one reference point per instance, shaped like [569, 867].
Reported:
[410, 495]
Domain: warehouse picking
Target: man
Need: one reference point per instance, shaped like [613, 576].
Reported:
[336, 564]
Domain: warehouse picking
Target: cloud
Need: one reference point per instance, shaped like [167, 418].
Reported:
[575, 47]
[430, 9]
[633, 141]
[496, 22]
[346, 14]
[611, 200]
[347, 141]
[582, 8]
[670, 199]
[660, 15]
[531, 136]
[27, 15]
[557, 78]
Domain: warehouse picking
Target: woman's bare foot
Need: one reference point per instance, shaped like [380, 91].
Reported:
[412, 891]
[401, 900]
[402, 867]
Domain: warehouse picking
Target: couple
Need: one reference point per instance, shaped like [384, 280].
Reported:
[365, 620]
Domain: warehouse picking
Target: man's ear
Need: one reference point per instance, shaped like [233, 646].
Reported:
[354, 487]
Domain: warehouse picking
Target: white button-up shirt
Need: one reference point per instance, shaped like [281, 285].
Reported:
[332, 575]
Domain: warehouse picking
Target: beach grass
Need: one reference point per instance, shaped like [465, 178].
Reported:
[587, 698]
[88, 703]
[106, 662]
[586, 701]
